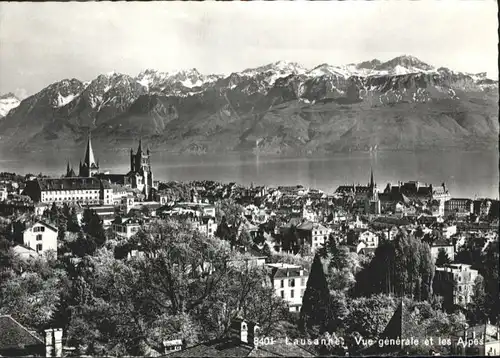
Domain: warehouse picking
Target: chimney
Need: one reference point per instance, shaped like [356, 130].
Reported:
[49, 342]
[58, 333]
[253, 332]
[239, 330]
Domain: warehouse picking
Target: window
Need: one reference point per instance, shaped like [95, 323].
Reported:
[39, 237]
[38, 247]
[291, 283]
[282, 294]
[282, 283]
[291, 293]
[302, 281]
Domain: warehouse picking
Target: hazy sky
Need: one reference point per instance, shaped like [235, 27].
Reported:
[41, 43]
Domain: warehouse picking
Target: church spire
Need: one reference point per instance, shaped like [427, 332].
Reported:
[139, 149]
[89, 153]
[372, 183]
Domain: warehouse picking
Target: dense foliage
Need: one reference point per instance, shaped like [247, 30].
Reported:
[403, 267]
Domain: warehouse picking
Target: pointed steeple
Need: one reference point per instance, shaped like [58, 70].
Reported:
[139, 149]
[89, 153]
[372, 184]
[67, 168]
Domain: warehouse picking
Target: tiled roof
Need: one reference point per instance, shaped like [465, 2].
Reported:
[42, 223]
[440, 243]
[390, 221]
[287, 272]
[14, 335]
[308, 225]
[281, 349]
[19, 248]
[48, 184]
[105, 209]
[232, 347]
[113, 178]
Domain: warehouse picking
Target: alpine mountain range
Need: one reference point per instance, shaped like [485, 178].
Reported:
[283, 108]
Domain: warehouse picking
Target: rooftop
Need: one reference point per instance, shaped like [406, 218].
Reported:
[14, 335]
[48, 184]
[233, 347]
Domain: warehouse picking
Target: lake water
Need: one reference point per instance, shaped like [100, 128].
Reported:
[467, 174]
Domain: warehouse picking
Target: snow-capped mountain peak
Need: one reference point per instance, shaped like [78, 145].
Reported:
[157, 81]
[403, 65]
[8, 102]
[270, 73]
[283, 67]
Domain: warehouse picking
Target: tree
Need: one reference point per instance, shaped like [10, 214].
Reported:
[231, 211]
[180, 285]
[73, 225]
[54, 213]
[5, 253]
[245, 239]
[266, 250]
[316, 300]
[490, 273]
[291, 240]
[30, 291]
[61, 231]
[305, 249]
[66, 211]
[145, 211]
[369, 315]
[403, 266]
[477, 310]
[442, 258]
[92, 225]
[223, 231]
[341, 268]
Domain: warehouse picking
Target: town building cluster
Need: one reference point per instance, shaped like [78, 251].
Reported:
[285, 219]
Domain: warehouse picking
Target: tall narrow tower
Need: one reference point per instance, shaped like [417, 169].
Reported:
[89, 167]
[140, 166]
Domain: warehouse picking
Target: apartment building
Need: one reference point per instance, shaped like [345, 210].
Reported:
[289, 282]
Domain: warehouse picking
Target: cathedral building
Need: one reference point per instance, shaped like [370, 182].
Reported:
[140, 174]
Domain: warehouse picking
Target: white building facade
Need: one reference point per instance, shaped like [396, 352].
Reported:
[289, 282]
[41, 237]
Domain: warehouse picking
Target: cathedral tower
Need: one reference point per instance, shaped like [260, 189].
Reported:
[140, 168]
[372, 201]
